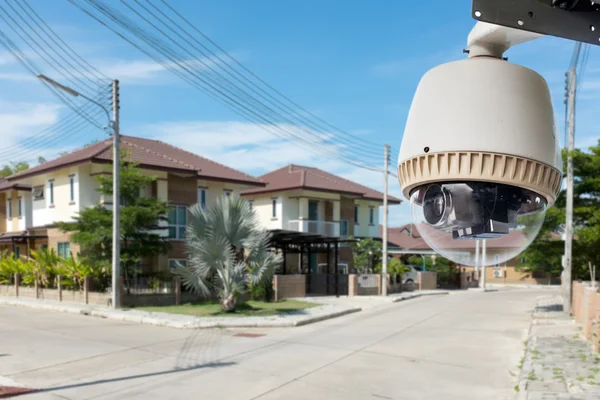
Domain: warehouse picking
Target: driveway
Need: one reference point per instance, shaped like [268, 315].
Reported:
[458, 346]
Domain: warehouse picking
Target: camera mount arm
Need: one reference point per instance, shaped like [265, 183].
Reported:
[492, 40]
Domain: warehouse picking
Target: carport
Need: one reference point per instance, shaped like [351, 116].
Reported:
[304, 244]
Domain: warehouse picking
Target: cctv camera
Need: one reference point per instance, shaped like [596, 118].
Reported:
[479, 158]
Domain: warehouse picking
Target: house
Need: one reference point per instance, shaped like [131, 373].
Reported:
[33, 200]
[316, 212]
[407, 240]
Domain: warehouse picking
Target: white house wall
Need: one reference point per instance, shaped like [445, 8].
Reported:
[290, 207]
[63, 209]
[263, 208]
[363, 228]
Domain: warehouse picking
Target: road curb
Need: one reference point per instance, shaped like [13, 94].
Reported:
[414, 296]
[182, 321]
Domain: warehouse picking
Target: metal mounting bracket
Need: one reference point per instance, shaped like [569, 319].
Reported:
[570, 19]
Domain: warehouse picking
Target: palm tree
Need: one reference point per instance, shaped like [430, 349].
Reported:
[228, 250]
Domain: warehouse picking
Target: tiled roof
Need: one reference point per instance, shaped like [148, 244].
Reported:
[408, 237]
[150, 154]
[299, 177]
[6, 185]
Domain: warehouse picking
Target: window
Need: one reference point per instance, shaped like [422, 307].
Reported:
[227, 193]
[38, 193]
[17, 252]
[20, 206]
[64, 249]
[274, 208]
[356, 214]
[9, 208]
[371, 216]
[175, 262]
[51, 190]
[72, 188]
[344, 228]
[202, 197]
[177, 222]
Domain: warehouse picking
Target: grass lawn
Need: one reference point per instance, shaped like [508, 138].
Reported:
[247, 309]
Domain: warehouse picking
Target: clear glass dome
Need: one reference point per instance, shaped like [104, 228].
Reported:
[464, 221]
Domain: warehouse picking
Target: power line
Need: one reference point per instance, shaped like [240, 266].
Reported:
[242, 78]
[43, 51]
[177, 66]
[228, 86]
[60, 43]
[51, 133]
[35, 71]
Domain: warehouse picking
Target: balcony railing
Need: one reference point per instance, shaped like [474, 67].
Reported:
[325, 228]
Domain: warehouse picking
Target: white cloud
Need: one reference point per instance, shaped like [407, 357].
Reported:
[20, 120]
[251, 148]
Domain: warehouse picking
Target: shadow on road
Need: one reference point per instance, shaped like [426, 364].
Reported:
[549, 308]
[126, 378]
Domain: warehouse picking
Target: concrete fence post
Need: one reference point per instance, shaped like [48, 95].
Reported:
[59, 286]
[121, 288]
[86, 289]
[17, 283]
[276, 288]
[177, 284]
[352, 285]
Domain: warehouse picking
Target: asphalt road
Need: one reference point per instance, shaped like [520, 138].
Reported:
[457, 346]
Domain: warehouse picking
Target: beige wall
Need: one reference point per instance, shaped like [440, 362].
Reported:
[510, 275]
[55, 236]
[288, 286]
[427, 280]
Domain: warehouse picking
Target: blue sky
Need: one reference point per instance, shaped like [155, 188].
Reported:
[352, 63]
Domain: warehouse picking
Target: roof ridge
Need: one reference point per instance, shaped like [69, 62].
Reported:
[161, 154]
[105, 141]
[207, 159]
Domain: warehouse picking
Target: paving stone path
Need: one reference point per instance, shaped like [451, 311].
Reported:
[558, 363]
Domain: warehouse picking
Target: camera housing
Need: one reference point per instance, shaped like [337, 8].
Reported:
[479, 158]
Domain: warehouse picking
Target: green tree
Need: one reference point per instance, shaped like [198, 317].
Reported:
[366, 254]
[141, 234]
[545, 253]
[395, 268]
[229, 251]
[12, 168]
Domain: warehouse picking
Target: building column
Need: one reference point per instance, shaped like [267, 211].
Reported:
[162, 190]
[336, 211]
[303, 208]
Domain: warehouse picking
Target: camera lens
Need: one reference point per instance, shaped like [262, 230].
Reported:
[454, 217]
[434, 204]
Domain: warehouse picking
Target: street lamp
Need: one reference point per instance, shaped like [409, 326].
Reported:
[113, 124]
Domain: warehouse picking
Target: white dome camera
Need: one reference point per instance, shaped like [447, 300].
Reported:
[479, 158]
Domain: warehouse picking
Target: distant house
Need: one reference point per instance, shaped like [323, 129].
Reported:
[407, 240]
[33, 200]
[309, 208]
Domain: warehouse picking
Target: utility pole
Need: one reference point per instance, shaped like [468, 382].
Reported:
[477, 262]
[569, 217]
[386, 164]
[116, 244]
[483, 263]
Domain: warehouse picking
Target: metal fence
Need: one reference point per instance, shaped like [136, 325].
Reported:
[327, 284]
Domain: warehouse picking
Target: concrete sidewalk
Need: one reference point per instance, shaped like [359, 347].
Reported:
[329, 307]
[558, 363]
